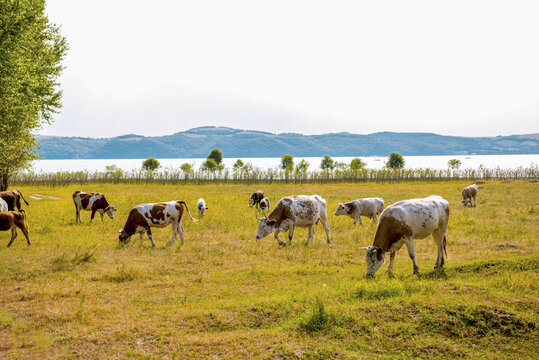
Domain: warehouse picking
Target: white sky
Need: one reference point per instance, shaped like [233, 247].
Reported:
[466, 68]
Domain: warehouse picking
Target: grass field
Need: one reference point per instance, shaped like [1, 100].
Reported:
[74, 293]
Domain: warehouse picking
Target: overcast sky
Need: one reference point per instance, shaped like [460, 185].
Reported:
[466, 68]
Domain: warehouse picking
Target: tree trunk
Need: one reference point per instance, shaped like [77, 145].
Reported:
[3, 182]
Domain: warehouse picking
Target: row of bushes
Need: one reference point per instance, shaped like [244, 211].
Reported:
[255, 175]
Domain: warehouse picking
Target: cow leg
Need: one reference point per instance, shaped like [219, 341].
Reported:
[102, 220]
[411, 251]
[474, 201]
[290, 234]
[92, 217]
[141, 237]
[25, 232]
[276, 234]
[310, 235]
[360, 221]
[149, 232]
[181, 232]
[374, 219]
[355, 222]
[13, 236]
[391, 259]
[174, 233]
[326, 228]
[439, 239]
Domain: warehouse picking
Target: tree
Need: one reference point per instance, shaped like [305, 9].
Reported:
[327, 163]
[187, 169]
[357, 164]
[395, 161]
[210, 165]
[287, 162]
[454, 164]
[31, 52]
[302, 167]
[150, 164]
[216, 155]
[238, 165]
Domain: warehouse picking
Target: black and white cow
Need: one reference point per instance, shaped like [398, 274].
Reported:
[255, 198]
[405, 221]
[94, 202]
[201, 206]
[294, 211]
[145, 216]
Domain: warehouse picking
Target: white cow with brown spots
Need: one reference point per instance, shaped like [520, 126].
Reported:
[368, 207]
[11, 220]
[145, 216]
[405, 221]
[294, 211]
[264, 204]
[469, 193]
[94, 202]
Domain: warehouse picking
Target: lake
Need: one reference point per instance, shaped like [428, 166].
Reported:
[373, 162]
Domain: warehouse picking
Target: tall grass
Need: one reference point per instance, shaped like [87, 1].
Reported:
[253, 175]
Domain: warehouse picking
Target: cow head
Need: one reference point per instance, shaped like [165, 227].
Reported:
[252, 201]
[109, 210]
[465, 202]
[374, 258]
[265, 227]
[124, 237]
[342, 209]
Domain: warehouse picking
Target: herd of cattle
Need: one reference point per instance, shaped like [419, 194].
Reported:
[399, 224]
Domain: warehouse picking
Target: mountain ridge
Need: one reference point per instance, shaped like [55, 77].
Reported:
[198, 142]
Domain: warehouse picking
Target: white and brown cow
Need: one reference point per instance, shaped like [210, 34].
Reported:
[255, 198]
[369, 207]
[405, 221]
[294, 211]
[13, 199]
[11, 220]
[94, 202]
[201, 206]
[145, 216]
[3, 205]
[469, 193]
[264, 204]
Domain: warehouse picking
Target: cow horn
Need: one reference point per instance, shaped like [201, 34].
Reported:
[262, 218]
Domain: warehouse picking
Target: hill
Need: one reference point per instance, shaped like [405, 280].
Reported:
[198, 142]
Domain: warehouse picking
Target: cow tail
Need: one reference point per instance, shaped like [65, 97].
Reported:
[20, 193]
[445, 251]
[186, 208]
[25, 218]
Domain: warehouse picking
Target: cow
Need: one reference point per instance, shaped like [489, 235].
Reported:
[405, 221]
[201, 206]
[469, 193]
[11, 220]
[145, 216]
[94, 202]
[255, 198]
[292, 211]
[3, 205]
[13, 199]
[264, 204]
[369, 207]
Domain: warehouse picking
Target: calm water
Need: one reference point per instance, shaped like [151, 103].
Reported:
[373, 162]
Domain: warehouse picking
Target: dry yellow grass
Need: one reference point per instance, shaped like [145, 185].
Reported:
[75, 294]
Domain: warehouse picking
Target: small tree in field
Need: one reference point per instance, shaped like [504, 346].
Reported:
[187, 169]
[454, 164]
[357, 164]
[302, 167]
[287, 163]
[327, 163]
[150, 164]
[210, 165]
[216, 155]
[395, 161]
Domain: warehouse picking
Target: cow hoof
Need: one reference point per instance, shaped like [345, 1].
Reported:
[282, 243]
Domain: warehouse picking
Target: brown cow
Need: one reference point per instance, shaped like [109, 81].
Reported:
[256, 198]
[13, 199]
[11, 220]
[469, 193]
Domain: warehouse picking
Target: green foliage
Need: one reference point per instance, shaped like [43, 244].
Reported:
[395, 161]
[31, 51]
[357, 164]
[150, 164]
[238, 165]
[187, 169]
[317, 319]
[287, 162]
[216, 155]
[454, 164]
[327, 163]
[210, 165]
[302, 167]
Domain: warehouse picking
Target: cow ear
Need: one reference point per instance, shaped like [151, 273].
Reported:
[379, 253]
[271, 222]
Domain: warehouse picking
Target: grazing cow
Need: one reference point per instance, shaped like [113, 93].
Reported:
[469, 193]
[405, 221]
[201, 206]
[369, 207]
[255, 198]
[13, 199]
[292, 211]
[94, 202]
[11, 220]
[264, 204]
[3, 205]
[145, 216]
